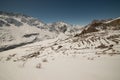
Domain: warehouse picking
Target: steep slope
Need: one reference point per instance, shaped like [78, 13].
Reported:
[18, 29]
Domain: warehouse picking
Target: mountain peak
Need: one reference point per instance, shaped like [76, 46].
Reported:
[100, 25]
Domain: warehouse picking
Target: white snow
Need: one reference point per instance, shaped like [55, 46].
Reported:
[112, 20]
[92, 56]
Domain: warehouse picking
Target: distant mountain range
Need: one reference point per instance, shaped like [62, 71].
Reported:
[19, 29]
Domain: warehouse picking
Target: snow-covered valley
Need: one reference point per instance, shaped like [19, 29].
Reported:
[59, 51]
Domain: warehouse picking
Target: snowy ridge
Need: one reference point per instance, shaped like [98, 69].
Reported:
[112, 20]
[16, 29]
[100, 25]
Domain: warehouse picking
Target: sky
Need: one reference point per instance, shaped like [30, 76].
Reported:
[79, 12]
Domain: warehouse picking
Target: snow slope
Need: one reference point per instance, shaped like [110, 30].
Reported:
[18, 29]
[84, 55]
[62, 58]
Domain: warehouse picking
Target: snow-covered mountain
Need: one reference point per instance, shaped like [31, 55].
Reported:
[103, 35]
[71, 52]
[59, 27]
[19, 29]
[100, 25]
